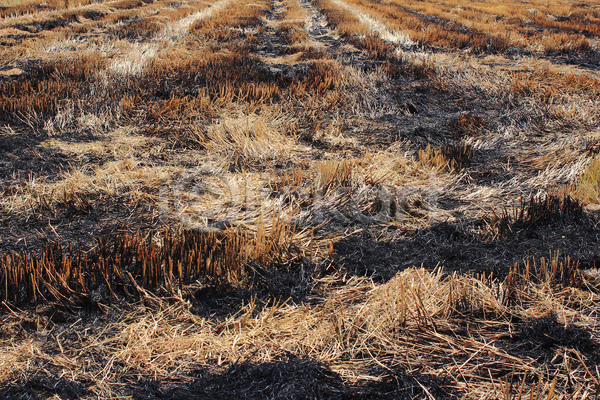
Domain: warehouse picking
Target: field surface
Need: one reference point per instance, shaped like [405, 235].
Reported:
[299, 199]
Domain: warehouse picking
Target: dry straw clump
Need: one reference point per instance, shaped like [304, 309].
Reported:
[450, 158]
[587, 189]
[248, 143]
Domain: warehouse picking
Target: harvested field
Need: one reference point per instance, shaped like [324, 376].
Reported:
[290, 199]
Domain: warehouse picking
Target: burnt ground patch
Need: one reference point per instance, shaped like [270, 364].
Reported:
[36, 27]
[589, 60]
[71, 214]
[460, 248]
[21, 155]
[43, 388]
[267, 285]
[542, 338]
[292, 378]
[547, 333]
[295, 378]
[89, 217]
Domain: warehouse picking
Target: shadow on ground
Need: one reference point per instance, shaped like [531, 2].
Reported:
[455, 248]
[541, 338]
[21, 155]
[292, 378]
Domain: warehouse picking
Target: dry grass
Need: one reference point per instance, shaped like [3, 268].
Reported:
[488, 27]
[587, 189]
[550, 85]
[229, 199]
[230, 22]
[19, 7]
[345, 22]
[450, 158]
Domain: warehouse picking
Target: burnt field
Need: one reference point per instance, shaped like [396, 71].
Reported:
[299, 199]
